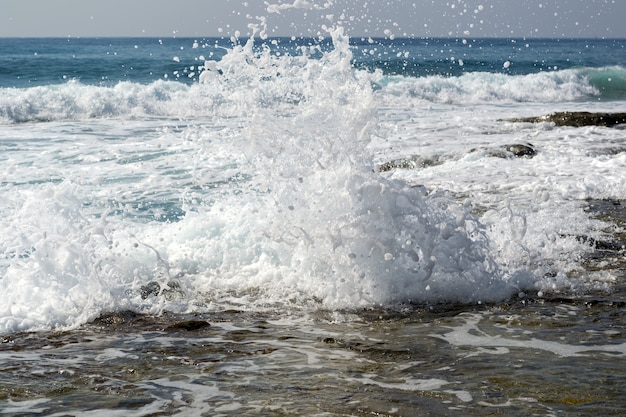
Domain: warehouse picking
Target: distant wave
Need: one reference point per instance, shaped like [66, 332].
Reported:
[168, 99]
[556, 86]
[76, 101]
[73, 100]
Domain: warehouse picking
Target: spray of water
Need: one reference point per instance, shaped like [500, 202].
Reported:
[304, 221]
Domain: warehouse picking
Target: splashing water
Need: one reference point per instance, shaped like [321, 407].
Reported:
[280, 206]
[321, 223]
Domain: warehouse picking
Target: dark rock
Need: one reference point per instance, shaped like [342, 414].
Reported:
[521, 150]
[116, 318]
[609, 251]
[7, 339]
[413, 162]
[153, 288]
[188, 326]
[609, 210]
[609, 150]
[604, 245]
[515, 150]
[399, 163]
[577, 119]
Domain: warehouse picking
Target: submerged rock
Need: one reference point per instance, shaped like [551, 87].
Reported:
[609, 251]
[412, 162]
[116, 318]
[398, 163]
[515, 150]
[188, 326]
[520, 150]
[126, 320]
[601, 245]
[153, 288]
[577, 119]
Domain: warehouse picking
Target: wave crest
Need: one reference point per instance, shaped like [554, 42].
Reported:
[483, 87]
[219, 94]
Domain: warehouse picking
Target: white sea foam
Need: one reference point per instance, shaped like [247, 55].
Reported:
[215, 95]
[266, 193]
[304, 217]
[533, 207]
[468, 334]
[485, 87]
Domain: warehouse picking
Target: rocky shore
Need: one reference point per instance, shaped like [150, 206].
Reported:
[577, 119]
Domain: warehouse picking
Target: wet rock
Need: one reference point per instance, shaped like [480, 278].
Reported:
[188, 326]
[7, 339]
[609, 210]
[116, 318]
[127, 320]
[515, 150]
[577, 119]
[609, 251]
[413, 162]
[521, 150]
[398, 163]
[601, 245]
[609, 150]
[153, 288]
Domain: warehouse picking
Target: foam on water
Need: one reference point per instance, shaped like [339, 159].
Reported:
[534, 209]
[481, 87]
[257, 187]
[470, 334]
[76, 101]
[302, 221]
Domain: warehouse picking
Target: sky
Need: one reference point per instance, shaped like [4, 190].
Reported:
[399, 18]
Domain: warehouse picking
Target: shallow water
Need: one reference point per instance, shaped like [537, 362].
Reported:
[526, 357]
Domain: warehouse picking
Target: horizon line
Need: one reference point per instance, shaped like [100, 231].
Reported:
[386, 38]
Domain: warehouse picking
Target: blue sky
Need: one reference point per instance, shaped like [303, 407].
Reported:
[400, 18]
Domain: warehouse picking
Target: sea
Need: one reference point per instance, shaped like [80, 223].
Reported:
[328, 226]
